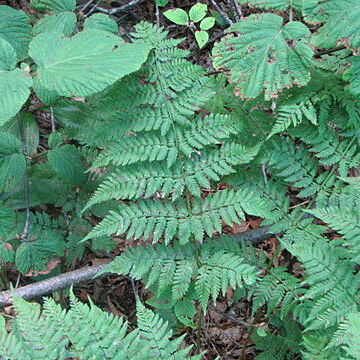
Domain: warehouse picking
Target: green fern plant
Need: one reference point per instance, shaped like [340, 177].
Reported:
[175, 157]
[50, 334]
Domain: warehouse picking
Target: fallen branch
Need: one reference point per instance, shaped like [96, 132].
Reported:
[253, 236]
[40, 288]
[58, 282]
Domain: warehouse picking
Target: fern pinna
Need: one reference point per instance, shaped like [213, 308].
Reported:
[169, 151]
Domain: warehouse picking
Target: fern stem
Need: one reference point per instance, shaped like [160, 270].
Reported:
[198, 330]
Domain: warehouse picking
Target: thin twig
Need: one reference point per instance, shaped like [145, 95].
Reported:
[221, 12]
[263, 169]
[93, 8]
[238, 9]
[82, 9]
[233, 9]
[329, 51]
[291, 14]
[233, 318]
[120, 8]
[253, 236]
[157, 15]
[52, 119]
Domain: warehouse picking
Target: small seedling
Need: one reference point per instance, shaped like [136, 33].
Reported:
[196, 14]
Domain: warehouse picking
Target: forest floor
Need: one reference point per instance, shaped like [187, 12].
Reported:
[227, 327]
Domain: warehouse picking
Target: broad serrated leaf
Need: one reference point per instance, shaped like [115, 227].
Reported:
[341, 26]
[34, 255]
[7, 56]
[63, 22]
[66, 161]
[12, 162]
[15, 28]
[101, 22]
[84, 64]
[177, 16]
[24, 127]
[54, 140]
[280, 4]
[14, 90]
[265, 55]
[7, 222]
[53, 5]
[197, 12]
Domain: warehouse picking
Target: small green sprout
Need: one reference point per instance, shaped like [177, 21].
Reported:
[196, 14]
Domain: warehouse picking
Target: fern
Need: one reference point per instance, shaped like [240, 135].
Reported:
[50, 334]
[348, 336]
[147, 217]
[333, 286]
[176, 267]
[277, 289]
[343, 216]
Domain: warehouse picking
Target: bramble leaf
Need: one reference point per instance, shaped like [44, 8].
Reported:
[84, 64]
[15, 28]
[265, 55]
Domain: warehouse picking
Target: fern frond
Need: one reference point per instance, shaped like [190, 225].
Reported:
[288, 115]
[277, 289]
[333, 290]
[348, 336]
[165, 267]
[147, 218]
[329, 148]
[51, 334]
[343, 216]
[145, 180]
[298, 168]
[219, 271]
